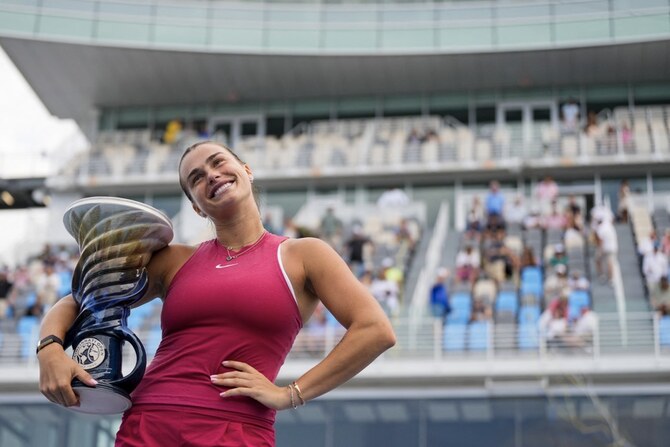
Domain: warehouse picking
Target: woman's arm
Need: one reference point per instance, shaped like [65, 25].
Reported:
[369, 331]
[57, 369]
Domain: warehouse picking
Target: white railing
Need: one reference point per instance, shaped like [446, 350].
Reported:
[425, 340]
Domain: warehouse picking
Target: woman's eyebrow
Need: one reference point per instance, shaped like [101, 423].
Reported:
[207, 161]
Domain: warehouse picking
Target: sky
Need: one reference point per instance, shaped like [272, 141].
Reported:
[27, 129]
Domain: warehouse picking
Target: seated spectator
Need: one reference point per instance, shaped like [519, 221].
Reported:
[559, 257]
[527, 258]
[500, 261]
[546, 192]
[393, 198]
[494, 224]
[555, 220]
[533, 219]
[578, 281]
[485, 289]
[659, 295]
[646, 244]
[553, 323]
[331, 228]
[495, 201]
[584, 329]
[173, 131]
[556, 284]
[5, 290]
[393, 273]
[47, 285]
[467, 264]
[481, 310]
[439, 295]
[655, 266]
[516, 212]
[474, 217]
[665, 242]
[386, 292]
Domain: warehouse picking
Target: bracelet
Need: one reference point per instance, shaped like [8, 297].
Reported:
[299, 392]
[290, 392]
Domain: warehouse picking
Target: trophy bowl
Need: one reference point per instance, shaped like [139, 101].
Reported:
[116, 239]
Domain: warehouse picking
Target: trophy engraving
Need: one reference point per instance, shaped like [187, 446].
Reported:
[116, 238]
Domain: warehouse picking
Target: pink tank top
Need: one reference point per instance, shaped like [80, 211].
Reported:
[215, 310]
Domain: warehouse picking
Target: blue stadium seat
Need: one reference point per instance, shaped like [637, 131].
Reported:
[507, 301]
[65, 283]
[531, 274]
[664, 331]
[529, 314]
[576, 300]
[454, 337]
[27, 330]
[478, 335]
[528, 336]
[461, 308]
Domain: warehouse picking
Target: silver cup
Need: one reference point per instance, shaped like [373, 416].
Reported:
[116, 238]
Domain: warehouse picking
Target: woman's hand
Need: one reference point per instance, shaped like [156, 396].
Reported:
[244, 380]
[57, 370]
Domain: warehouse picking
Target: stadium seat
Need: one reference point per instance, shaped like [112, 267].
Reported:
[461, 308]
[27, 330]
[528, 336]
[576, 300]
[454, 337]
[507, 302]
[664, 331]
[531, 274]
[529, 314]
[478, 336]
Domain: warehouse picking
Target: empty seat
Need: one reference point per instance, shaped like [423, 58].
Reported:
[507, 302]
[529, 314]
[478, 336]
[528, 336]
[454, 337]
[576, 301]
[461, 308]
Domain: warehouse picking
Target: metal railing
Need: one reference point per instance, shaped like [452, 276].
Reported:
[426, 340]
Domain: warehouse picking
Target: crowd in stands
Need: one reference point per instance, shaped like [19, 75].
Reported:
[527, 267]
[30, 289]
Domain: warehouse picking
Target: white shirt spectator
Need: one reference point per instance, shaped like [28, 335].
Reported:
[654, 266]
[586, 325]
[472, 259]
[601, 213]
[608, 238]
[393, 198]
[386, 292]
[516, 211]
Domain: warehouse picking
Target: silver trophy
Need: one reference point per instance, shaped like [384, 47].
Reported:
[116, 238]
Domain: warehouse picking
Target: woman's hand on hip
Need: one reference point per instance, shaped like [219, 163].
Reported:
[244, 380]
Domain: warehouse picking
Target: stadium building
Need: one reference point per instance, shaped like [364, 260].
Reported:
[397, 116]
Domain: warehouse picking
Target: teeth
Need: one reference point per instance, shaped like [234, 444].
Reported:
[221, 189]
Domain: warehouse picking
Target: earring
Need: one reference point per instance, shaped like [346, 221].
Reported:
[203, 215]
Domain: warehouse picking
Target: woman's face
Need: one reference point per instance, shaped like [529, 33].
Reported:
[214, 177]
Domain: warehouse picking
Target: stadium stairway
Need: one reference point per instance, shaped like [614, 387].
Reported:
[631, 275]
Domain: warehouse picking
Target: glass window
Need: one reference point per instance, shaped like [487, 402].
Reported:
[17, 22]
[129, 9]
[62, 26]
[180, 35]
[123, 31]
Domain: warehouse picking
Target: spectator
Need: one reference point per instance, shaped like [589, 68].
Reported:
[559, 257]
[439, 295]
[646, 244]
[173, 131]
[654, 266]
[516, 212]
[578, 281]
[528, 258]
[624, 201]
[659, 295]
[331, 227]
[607, 248]
[555, 220]
[584, 329]
[47, 285]
[481, 310]
[393, 273]
[556, 284]
[570, 112]
[5, 290]
[474, 217]
[495, 201]
[385, 292]
[546, 192]
[665, 242]
[355, 249]
[467, 264]
[393, 198]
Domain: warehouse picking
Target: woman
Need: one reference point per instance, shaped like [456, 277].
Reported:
[232, 309]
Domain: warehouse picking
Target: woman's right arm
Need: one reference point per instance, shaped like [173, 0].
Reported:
[57, 369]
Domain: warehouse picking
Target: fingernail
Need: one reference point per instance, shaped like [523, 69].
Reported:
[94, 382]
[212, 378]
[225, 363]
[222, 394]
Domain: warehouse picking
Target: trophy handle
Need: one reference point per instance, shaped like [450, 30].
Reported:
[132, 379]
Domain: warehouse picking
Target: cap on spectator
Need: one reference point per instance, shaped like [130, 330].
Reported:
[558, 248]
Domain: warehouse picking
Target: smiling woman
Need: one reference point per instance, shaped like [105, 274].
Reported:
[228, 326]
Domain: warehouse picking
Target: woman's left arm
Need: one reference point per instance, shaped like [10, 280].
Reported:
[369, 331]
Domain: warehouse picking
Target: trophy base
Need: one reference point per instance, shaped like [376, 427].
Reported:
[101, 399]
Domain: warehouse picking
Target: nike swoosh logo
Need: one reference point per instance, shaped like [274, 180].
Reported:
[224, 266]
